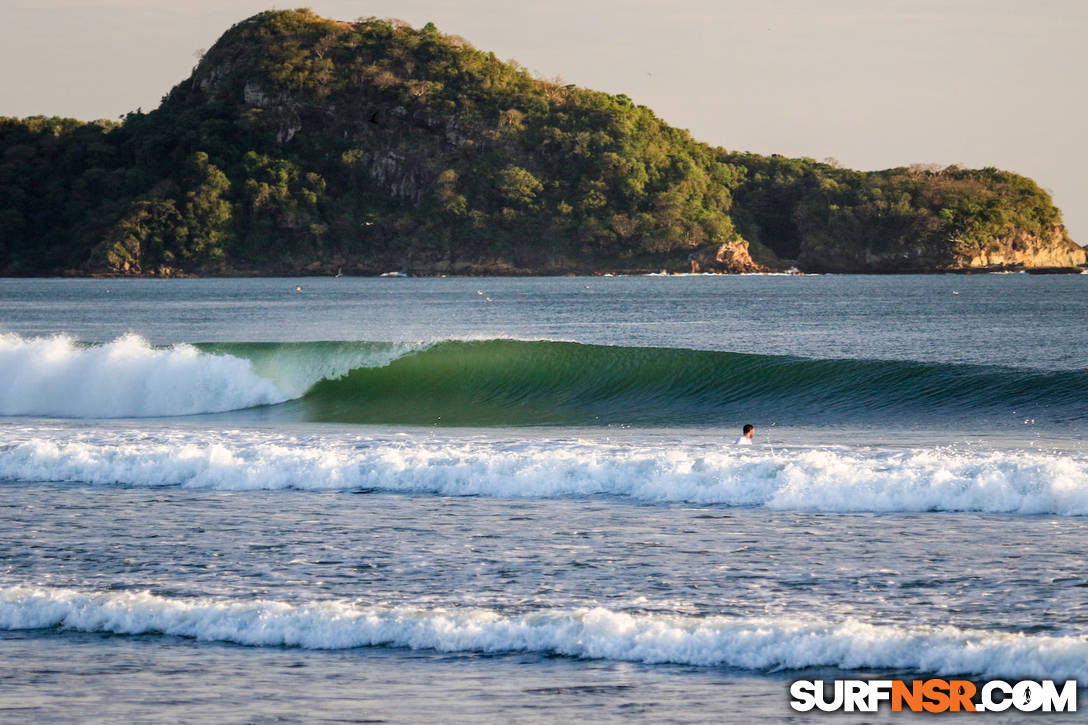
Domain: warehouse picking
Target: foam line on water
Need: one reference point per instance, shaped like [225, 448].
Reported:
[828, 479]
[597, 633]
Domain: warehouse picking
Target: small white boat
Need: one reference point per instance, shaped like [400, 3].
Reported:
[392, 274]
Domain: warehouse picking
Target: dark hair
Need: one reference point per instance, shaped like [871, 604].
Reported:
[748, 427]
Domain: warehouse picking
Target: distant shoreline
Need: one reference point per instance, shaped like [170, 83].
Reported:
[545, 273]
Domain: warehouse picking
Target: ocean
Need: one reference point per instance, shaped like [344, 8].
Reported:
[518, 499]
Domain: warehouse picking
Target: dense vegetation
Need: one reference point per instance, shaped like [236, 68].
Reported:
[919, 217]
[305, 144]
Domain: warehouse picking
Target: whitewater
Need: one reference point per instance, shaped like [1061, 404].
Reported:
[757, 643]
[828, 478]
[392, 499]
[128, 378]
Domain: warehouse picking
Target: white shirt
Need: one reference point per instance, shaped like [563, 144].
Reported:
[743, 441]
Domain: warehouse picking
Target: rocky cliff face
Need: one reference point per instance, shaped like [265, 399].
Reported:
[1020, 250]
[1026, 251]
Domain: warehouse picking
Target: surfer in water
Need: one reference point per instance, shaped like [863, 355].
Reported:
[746, 435]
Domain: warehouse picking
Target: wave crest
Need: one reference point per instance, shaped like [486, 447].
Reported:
[516, 382]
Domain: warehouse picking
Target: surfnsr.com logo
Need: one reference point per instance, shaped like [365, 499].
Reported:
[933, 695]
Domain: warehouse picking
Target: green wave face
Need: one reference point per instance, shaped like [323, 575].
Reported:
[507, 382]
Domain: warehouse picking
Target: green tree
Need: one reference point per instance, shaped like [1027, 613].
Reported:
[517, 186]
[206, 214]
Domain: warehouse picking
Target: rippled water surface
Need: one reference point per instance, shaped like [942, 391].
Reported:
[237, 533]
[1016, 319]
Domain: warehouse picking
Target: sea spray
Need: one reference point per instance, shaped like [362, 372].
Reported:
[126, 378]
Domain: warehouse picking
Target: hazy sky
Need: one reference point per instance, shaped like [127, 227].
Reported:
[872, 83]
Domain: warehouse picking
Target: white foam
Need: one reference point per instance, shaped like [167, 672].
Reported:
[128, 378]
[830, 480]
[749, 643]
[55, 376]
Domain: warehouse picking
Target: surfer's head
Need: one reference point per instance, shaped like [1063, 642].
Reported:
[749, 430]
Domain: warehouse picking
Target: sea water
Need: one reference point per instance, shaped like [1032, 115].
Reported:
[517, 500]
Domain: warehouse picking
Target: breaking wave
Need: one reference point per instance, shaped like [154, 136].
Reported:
[512, 382]
[833, 479]
[597, 633]
[59, 377]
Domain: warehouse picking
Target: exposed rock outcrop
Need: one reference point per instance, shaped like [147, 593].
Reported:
[1019, 250]
[728, 258]
[1025, 250]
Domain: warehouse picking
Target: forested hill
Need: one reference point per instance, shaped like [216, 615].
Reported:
[306, 145]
